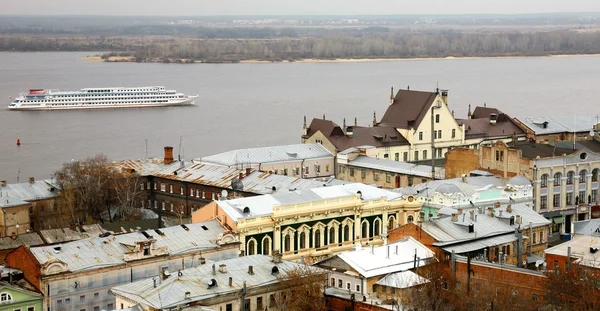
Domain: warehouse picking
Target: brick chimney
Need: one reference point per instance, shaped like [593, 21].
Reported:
[31, 180]
[248, 171]
[490, 211]
[168, 155]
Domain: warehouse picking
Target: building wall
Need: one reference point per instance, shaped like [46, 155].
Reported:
[12, 216]
[497, 159]
[340, 304]
[90, 289]
[319, 138]
[461, 161]
[21, 301]
[413, 230]
[382, 179]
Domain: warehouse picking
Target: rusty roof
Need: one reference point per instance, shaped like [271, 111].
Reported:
[408, 109]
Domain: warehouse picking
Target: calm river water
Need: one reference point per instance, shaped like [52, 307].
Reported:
[249, 105]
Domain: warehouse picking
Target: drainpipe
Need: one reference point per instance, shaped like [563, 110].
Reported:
[302, 169]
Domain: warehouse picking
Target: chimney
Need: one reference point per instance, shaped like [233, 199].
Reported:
[372, 249]
[509, 208]
[223, 268]
[445, 96]
[460, 211]
[250, 270]
[388, 252]
[518, 219]
[248, 170]
[213, 269]
[241, 175]
[2, 183]
[202, 260]
[168, 155]
[463, 177]
[350, 131]
[187, 295]
[493, 118]
[230, 281]
[276, 257]
[31, 180]
[454, 217]
[490, 211]
[500, 213]
[472, 215]
[475, 219]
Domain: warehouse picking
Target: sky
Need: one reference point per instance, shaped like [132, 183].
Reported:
[291, 7]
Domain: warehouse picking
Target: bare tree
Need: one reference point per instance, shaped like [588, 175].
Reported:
[435, 295]
[128, 191]
[577, 288]
[304, 290]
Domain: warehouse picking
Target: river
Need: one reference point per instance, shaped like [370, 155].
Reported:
[249, 105]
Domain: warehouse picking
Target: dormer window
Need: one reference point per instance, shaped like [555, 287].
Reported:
[147, 251]
[5, 298]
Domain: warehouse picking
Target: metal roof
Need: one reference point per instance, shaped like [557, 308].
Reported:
[171, 292]
[560, 124]
[581, 248]
[404, 168]
[26, 191]
[30, 239]
[587, 227]
[448, 232]
[480, 244]
[269, 154]
[263, 205]
[52, 236]
[99, 252]
[403, 279]
[11, 202]
[394, 257]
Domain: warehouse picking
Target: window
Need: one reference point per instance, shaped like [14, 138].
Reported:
[556, 199]
[594, 195]
[181, 190]
[557, 178]
[544, 180]
[33, 309]
[351, 172]
[5, 297]
[365, 230]
[405, 157]
[302, 240]
[388, 178]
[500, 156]
[543, 202]
[229, 307]
[259, 303]
[534, 297]
[435, 136]
[453, 133]
[420, 135]
[358, 288]
[437, 118]
[582, 175]
[163, 187]
[67, 301]
[386, 156]
[59, 303]
[96, 296]
[340, 283]
[286, 243]
[595, 174]
[439, 135]
[346, 233]
[439, 152]
[410, 218]
[375, 176]
[534, 238]
[247, 304]
[251, 247]
[376, 227]
[416, 156]
[332, 235]
[332, 282]
[424, 154]
[581, 197]
[397, 156]
[570, 177]
[326, 169]
[363, 174]
[141, 186]
[273, 302]
[96, 308]
[266, 246]
[317, 241]
[569, 198]
[170, 188]
[82, 299]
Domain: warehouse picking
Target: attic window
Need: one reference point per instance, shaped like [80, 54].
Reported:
[185, 227]
[146, 234]
[159, 232]
[246, 210]
[583, 156]
[204, 227]
[146, 251]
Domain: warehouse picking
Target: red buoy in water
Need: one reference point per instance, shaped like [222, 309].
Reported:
[18, 142]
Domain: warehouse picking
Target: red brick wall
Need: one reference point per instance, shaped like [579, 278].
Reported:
[415, 231]
[22, 259]
[561, 260]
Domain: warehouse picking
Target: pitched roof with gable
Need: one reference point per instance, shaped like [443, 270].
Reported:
[171, 292]
[30, 239]
[403, 279]
[263, 205]
[408, 109]
[98, 252]
[269, 154]
[377, 136]
[374, 261]
[26, 191]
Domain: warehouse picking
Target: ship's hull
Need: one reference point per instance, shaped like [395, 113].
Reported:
[185, 102]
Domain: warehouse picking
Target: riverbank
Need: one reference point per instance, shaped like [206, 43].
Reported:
[121, 59]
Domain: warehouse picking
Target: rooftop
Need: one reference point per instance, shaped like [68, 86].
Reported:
[559, 124]
[269, 154]
[402, 279]
[468, 187]
[263, 205]
[52, 236]
[394, 257]
[396, 167]
[377, 136]
[587, 227]
[30, 191]
[6, 202]
[408, 108]
[171, 292]
[30, 239]
[98, 252]
[584, 248]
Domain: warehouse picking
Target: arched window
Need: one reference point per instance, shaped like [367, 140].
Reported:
[410, 218]
[570, 177]
[346, 233]
[391, 221]
[317, 242]
[544, 180]
[365, 230]
[251, 249]
[582, 175]
[595, 174]
[332, 235]
[266, 246]
[302, 240]
[286, 243]
[557, 178]
[5, 297]
[376, 227]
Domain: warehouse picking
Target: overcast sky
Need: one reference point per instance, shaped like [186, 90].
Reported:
[291, 7]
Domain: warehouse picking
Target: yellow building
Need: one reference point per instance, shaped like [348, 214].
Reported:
[313, 224]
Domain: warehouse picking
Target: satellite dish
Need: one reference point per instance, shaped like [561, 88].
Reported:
[224, 194]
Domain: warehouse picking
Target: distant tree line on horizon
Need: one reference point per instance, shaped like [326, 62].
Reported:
[372, 45]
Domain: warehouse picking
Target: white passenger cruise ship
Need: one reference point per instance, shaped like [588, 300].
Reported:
[111, 97]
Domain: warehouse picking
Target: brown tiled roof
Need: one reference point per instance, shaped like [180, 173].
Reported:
[409, 108]
[377, 136]
[484, 112]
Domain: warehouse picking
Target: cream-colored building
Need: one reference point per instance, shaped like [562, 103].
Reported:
[416, 127]
[313, 224]
[14, 216]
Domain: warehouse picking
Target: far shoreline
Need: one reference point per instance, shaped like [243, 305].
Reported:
[128, 59]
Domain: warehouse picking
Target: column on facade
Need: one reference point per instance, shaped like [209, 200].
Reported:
[243, 243]
[536, 192]
[357, 227]
[277, 239]
[384, 225]
[588, 183]
[563, 188]
[575, 185]
[550, 186]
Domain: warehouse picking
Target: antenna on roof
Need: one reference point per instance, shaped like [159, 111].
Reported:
[180, 144]
[18, 174]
